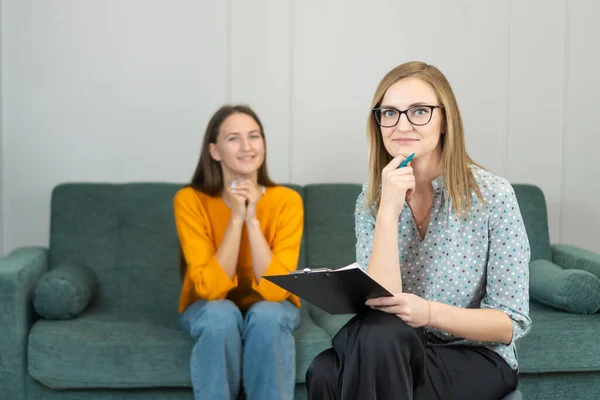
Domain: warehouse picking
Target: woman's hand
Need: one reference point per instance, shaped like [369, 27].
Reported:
[237, 202]
[248, 190]
[397, 185]
[410, 308]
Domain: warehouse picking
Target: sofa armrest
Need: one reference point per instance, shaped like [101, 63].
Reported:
[572, 257]
[19, 273]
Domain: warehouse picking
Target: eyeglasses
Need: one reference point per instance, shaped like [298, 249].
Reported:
[418, 115]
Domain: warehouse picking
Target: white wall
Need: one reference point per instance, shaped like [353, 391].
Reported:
[121, 90]
[580, 215]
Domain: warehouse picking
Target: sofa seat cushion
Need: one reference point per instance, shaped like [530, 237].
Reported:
[101, 350]
[310, 341]
[329, 322]
[559, 341]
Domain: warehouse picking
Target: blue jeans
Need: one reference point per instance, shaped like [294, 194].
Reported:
[259, 346]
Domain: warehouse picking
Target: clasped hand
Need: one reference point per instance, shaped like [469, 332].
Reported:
[242, 199]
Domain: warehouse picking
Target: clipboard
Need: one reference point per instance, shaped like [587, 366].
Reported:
[337, 291]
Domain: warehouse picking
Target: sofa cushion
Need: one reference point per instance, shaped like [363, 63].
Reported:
[329, 322]
[559, 342]
[108, 351]
[126, 233]
[329, 224]
[573, 257]
[302, 256]
[100, 350]
[310, 341]
[65, 291]
[569, 290]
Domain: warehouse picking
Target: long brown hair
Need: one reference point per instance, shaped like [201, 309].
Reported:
[456, 169]
[208, 176]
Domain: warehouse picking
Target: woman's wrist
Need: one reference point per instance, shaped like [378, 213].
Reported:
[429, 308]
[433, 310]
[388, 212]
[252, 222]
[236, 221]
[387, 217]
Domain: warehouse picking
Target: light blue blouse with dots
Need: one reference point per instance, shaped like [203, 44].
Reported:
[478, 261]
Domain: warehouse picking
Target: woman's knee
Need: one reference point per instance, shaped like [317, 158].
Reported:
[273, 315]
[216, 318]
[322, 370]
[381, 328]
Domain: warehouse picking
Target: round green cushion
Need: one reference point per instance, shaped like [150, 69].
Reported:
[570, 290]
[65, 291]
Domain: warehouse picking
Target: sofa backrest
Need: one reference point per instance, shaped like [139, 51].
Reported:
[126, 233]
[329, 224]
[535, 216]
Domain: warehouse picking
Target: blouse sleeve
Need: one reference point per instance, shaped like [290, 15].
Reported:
[507, 287]
[364, 228]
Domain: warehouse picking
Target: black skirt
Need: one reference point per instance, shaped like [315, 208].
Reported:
[378, 356]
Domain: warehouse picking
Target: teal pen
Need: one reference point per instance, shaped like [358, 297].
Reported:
[407, 160]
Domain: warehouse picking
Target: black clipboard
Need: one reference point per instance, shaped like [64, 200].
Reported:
[337, 291]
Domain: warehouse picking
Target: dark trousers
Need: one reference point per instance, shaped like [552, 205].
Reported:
[377, 356]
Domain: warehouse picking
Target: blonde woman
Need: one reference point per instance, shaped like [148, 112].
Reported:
[447, 238]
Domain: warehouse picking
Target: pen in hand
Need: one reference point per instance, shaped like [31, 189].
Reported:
[406, 161]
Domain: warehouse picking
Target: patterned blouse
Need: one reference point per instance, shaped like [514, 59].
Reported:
[477, 261]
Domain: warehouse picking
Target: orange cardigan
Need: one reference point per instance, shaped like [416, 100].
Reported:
[201, 222]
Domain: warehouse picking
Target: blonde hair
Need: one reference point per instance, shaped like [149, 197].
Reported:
[456, 163]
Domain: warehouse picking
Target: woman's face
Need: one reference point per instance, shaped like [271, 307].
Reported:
[240, 147]
[405, 138]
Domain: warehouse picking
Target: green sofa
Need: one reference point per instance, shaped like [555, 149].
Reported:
[126, 344]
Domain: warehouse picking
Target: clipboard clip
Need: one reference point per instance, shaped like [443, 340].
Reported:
[308, 271]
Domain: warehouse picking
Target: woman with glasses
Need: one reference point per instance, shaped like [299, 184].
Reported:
[447, 238]
[235, 225]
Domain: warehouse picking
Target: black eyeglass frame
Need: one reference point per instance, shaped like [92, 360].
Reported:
[400, 112]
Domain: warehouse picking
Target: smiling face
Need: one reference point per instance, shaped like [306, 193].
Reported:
[405, 137]
[239, 148]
